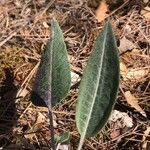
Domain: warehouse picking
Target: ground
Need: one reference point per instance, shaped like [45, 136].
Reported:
[25, 28]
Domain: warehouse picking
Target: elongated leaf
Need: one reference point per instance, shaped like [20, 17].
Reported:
[99, 86]
[53, 78]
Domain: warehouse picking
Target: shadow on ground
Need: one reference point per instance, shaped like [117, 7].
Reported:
[8, 116]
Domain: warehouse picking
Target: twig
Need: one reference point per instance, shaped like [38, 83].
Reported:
[25, 110]
[120, 7]
[12, 34]
[41, 13]
[8, 38]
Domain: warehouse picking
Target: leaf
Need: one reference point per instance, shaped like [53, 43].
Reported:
[133, 102]
[53, 78]
[101, 11]
[99, 86]
[62, 138]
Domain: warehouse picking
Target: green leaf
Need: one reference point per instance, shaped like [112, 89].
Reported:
[99, 86]
[53, 78]
[64, 137]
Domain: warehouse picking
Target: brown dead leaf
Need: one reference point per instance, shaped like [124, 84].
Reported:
[101, 12]
[38, 124]
[120, 123]
[30, 136]
[123, 69]
[136, 74]
[146, 12]
[133, 102]
[41, 118]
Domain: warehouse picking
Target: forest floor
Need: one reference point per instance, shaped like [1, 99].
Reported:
[24, 30]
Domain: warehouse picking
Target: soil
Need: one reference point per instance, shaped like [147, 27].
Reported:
[25, 29]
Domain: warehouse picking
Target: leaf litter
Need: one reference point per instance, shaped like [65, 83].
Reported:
[120, 122]
[80, 28]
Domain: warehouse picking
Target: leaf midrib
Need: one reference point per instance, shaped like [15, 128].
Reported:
[51, 65]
